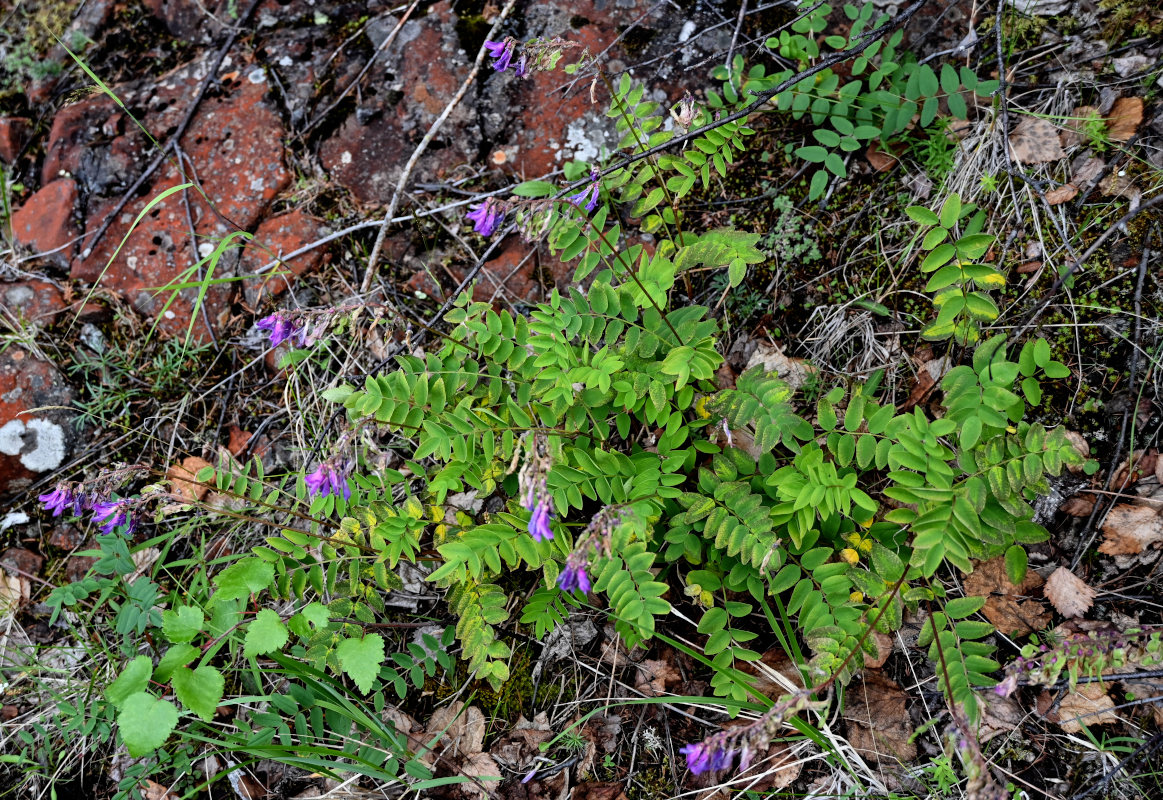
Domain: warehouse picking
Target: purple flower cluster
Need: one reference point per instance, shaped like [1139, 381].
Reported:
[707, 756]
[487, 216]
[328, 479]
[282, 326]
[502, 53]
[64, 495]
[590, 192]
[535, 497]
[113, 514]
[574, 576]
[109, 514]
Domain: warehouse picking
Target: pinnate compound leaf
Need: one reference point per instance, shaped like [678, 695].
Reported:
[266, 634]
[200, 690]
[146, 722]
[361, 659]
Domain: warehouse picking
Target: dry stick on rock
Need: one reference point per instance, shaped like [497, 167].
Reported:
[384, 45]
[373, 259]
[177, 134]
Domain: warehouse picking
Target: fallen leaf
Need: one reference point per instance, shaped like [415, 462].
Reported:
[518, 747]
[1130, 529]
[1065, 192]
[238, 440]
[1075, 131]
[142, 560]
[598, 791]
[796, 371]
[183, 477]
[1087, 705]
[773, 666]
[1010, 608]
[1124, 118]
[1030, 267]
[482, 767]
[1117, 185]
[464, 729]
[1068, 593]
[655, 676]
[878, 719]
[880, 160]
[1086, 169]
[15, 592]
[998, 715]
[1078, 506]
[155, 791]
[1035, 141]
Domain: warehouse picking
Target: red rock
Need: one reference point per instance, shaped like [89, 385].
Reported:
[66, 537]
[16, 559]
[33, 301]
[13, 135]
[367, 159]
[235, 145]
[77, 567]
[46, 222]
[31, 444]
[276, 237]
[73, 128]
[191, 20]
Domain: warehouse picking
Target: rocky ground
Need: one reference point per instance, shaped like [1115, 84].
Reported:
[239, 157]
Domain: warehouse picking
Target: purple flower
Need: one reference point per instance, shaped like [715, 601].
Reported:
[112, 514]
[698, 758]
[707, 756]
[521, 66]
[1008, 686]
[281, 328]
[487, 216]
[61, 498]
[539, 523]
[580, 197]
[502, 51]
[327, 479]
[574, 576]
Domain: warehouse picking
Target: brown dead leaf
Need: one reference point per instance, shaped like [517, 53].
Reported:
[1010, 608]
[1074, 132]
[655, 676]
[1124, 118]
[598, 791]
[238, 440]
[517, 748]
[1029, 267]
[15, 592]
[1087, 705]
[1069, 593]
[796, 371]
[183, 477]
[879, 720]
[464, 730]
[482, 767]
[1116, 185]
[1065, 192]
[880, 160]
[1035, 141]
[1130, 529]
[1086, 169]
[155, 791]
[998, 715]
[1078, 506]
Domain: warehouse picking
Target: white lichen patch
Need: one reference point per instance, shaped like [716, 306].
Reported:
[40, 443]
